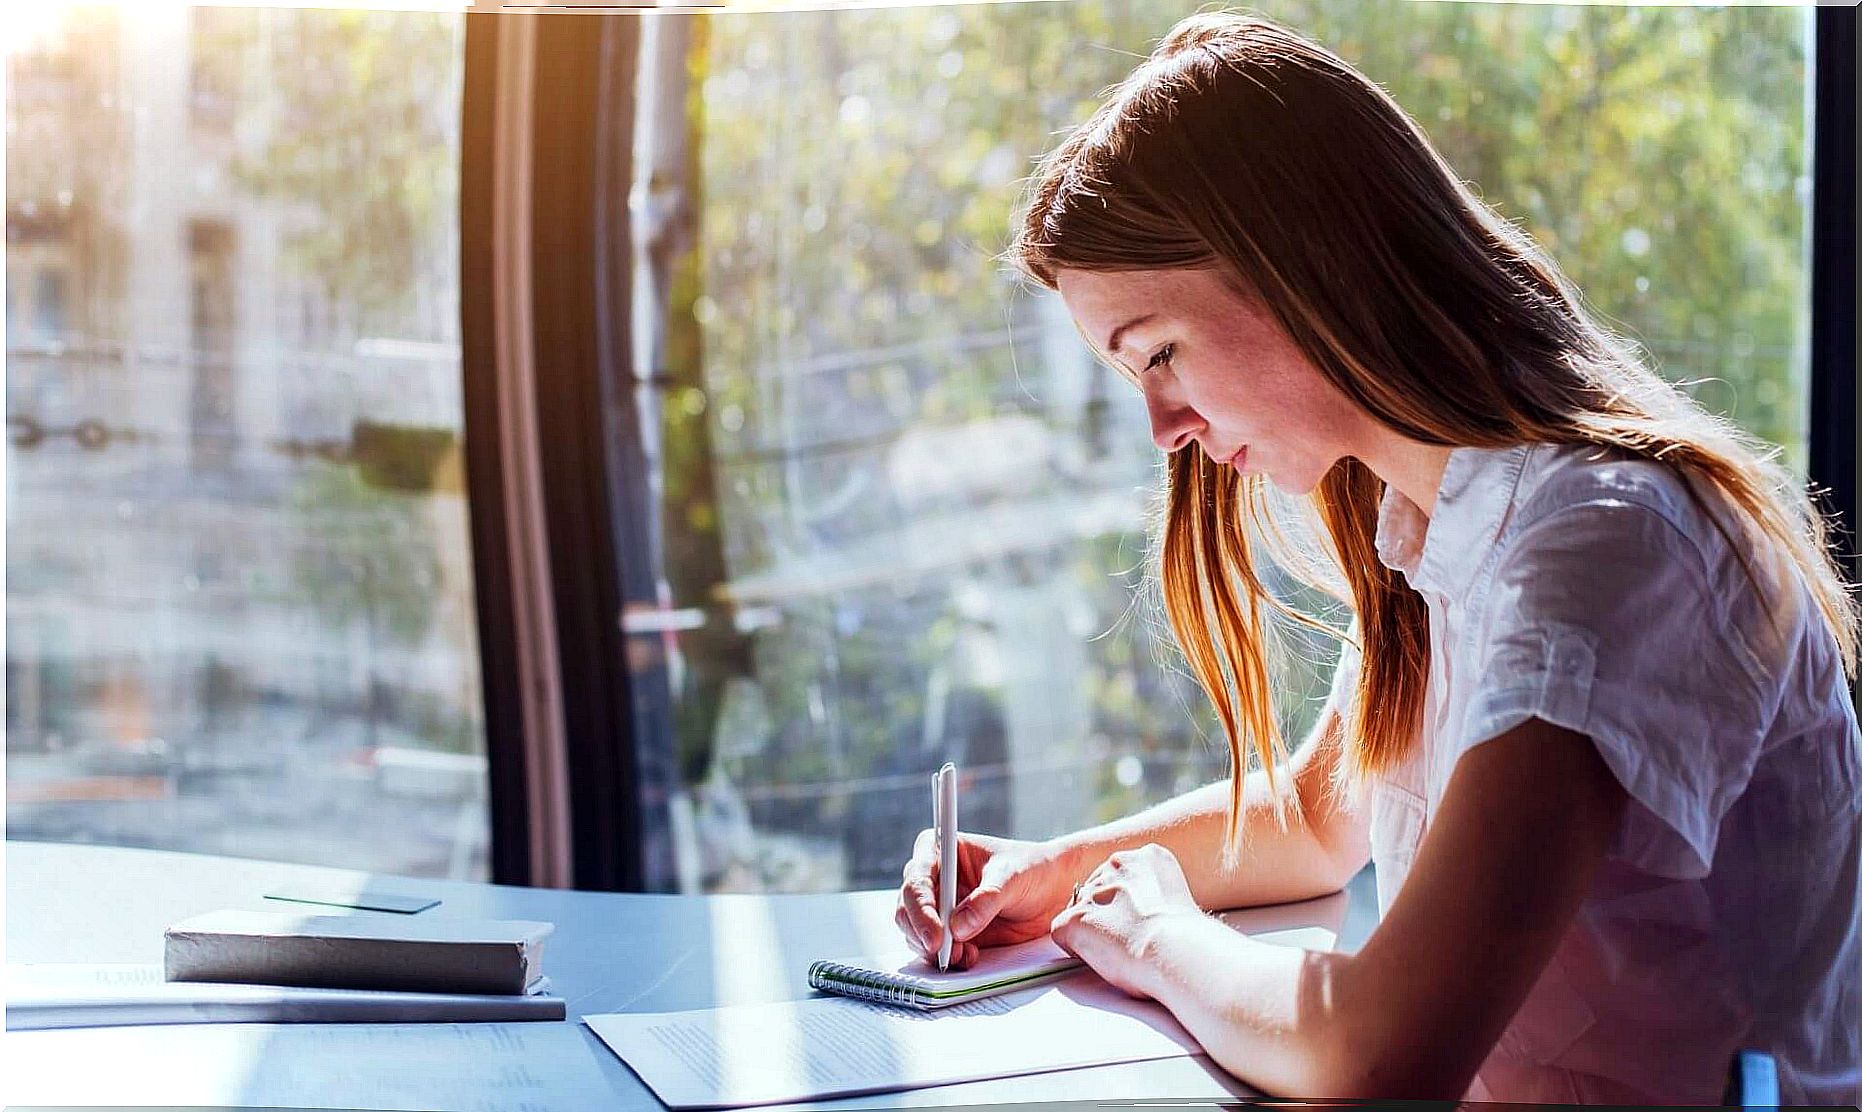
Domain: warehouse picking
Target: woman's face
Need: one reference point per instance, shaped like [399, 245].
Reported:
[1216, 369]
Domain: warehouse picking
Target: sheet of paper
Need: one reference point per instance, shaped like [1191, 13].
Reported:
[831, 1046]
[1309, 924]
[44, 996]
[482, 1067]
[125, 980]
[91, 978]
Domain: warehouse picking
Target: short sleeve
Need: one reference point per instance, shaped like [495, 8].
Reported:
[1599, 620]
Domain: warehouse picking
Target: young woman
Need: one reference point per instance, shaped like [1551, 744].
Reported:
[1592, 724]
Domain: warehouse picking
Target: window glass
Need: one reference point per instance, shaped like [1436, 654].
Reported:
[239, 595]
[905, 509]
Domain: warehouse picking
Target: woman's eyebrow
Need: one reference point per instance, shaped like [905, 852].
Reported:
[1118, 334]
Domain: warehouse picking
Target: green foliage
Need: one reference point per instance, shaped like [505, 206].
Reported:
[369, 558]
[402, 457]
[862, 167]
[1657, 153]
[364, 137]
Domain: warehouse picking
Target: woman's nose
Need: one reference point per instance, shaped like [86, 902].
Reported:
[1173, 422]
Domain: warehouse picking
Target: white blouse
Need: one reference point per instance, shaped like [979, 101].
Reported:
[1588, 590]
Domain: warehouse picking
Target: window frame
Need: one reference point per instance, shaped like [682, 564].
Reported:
[1833, 279]
[562, 537]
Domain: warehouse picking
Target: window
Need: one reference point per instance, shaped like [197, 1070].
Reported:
[899, 509]
[49, 295]
[239, 593]
[903, 509]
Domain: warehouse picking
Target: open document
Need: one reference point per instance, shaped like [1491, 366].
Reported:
[484, 1067]
[832, 1046]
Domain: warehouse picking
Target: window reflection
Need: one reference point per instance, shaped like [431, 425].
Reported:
[238, 582]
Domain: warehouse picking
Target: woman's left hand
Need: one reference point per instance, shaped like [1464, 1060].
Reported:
[1117, 911]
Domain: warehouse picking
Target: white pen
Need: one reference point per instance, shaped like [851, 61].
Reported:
[944, 818]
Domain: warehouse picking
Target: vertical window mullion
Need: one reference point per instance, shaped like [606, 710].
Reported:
[1833, 288]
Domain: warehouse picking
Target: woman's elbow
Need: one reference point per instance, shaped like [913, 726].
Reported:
[1336, 867]
[1347, 1073]
[1307, 1069]
[1345, 846]
[1342, 1051]
[1390, 1073]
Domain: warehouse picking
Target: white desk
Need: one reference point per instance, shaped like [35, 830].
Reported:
[610, 953]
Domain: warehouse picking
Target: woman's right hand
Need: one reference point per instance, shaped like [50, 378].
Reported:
[1007, 891]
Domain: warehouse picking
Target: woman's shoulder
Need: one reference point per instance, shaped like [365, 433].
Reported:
[1565, 476]
[1589, 513]
[1614, 513]
[1625, 499]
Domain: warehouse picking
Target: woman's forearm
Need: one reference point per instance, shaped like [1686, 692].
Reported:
[1189, 825]
[1320, 849]
[1271, 1015]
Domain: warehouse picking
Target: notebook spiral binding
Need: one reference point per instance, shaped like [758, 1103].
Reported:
[849, 980]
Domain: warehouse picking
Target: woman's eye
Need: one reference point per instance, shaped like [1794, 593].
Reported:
[1162, 357]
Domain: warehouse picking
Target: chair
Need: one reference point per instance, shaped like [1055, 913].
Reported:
[1752, 1081]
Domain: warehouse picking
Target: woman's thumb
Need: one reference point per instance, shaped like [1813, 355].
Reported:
[975, 912]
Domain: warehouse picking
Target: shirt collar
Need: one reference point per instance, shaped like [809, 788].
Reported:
[1442, 552]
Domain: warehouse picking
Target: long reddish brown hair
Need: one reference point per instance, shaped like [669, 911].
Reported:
[1240, 145]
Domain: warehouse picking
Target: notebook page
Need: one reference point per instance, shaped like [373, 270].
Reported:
[832, 1046]
[993, 965]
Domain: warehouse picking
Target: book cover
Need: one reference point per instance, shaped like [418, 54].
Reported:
[393, 953]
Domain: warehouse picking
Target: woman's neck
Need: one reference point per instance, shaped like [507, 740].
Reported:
[1413, 468]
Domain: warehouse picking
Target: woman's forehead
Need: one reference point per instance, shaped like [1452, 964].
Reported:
[1096, 298]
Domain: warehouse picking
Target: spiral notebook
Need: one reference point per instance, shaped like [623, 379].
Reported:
[912, 982]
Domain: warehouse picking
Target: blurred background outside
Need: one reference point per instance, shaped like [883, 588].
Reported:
[902, 509]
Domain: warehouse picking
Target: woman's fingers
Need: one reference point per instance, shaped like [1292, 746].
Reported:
[1061, 929]
[976, 919]
[918, 895]
[989, 897]
[918, 912]
[975, 911]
